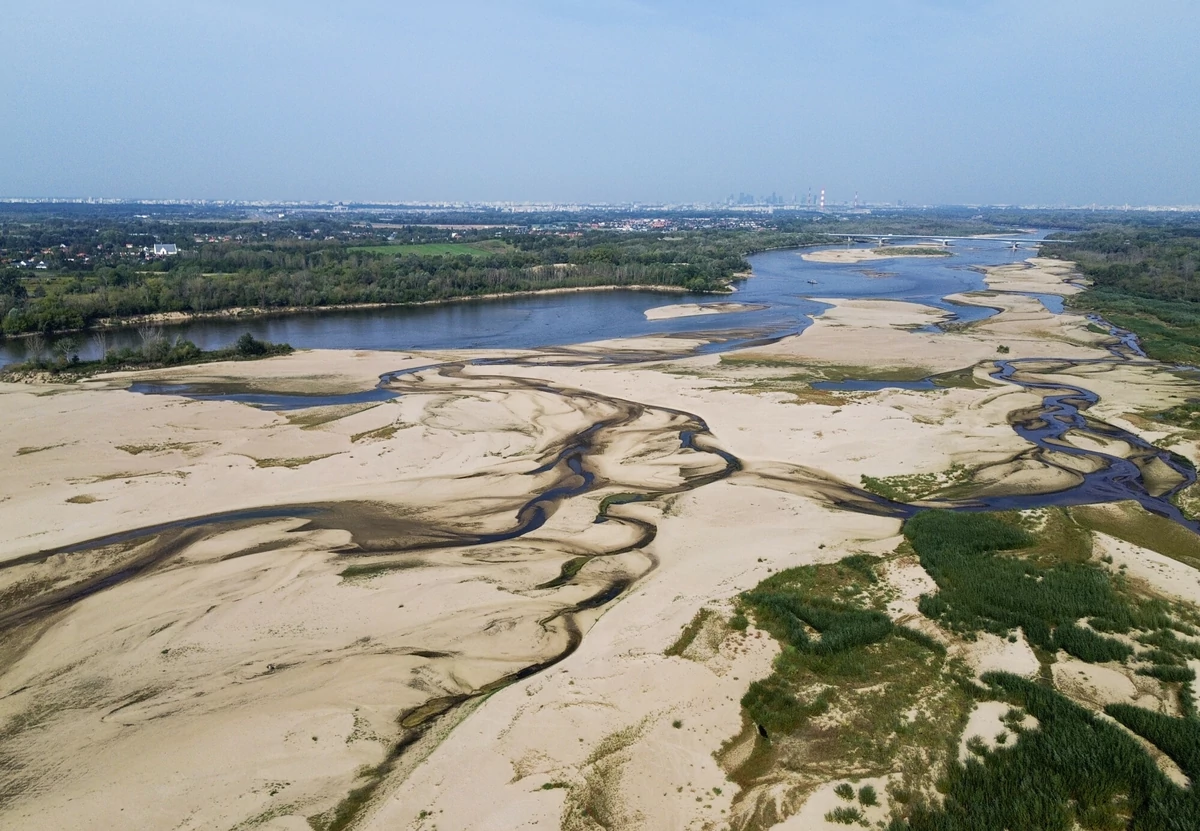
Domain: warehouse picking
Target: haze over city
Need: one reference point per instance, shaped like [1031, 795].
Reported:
[614, 100]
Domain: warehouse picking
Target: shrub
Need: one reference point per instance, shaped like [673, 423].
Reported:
[1179, 738]
[1075, 770]
[248, 346]
[845, 791]
[1169, 673]
[1086, 645]
[867, 795]
[770, 704]
[845, 815]
[979, 589]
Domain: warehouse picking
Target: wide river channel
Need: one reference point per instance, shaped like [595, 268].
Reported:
[781, 282]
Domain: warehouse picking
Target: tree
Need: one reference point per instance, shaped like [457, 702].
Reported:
[10, 285]
[248, 346]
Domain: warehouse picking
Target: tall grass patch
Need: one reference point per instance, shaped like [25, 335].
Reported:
[985, 584]
[1074, 771]
[851, 692]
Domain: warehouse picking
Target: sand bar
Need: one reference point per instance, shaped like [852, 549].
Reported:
[694, 309]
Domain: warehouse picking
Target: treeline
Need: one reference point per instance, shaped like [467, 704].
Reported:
[1155, 263]
[1144, 280]
[156, 350]
[310, 274]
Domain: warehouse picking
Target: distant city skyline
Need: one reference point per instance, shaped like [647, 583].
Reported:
[610, 101]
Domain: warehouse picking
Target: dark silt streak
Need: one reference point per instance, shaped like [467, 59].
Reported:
[574, 478]
[263, 400]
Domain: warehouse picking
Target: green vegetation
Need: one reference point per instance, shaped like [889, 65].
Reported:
[1179, 738]
[1144, 281]
[292, 462]
[1169, 330]
[994, 575]
[470, 249]
[845, 815]
[366, 570]
[979, 588]
[155, 351]
[827, 372]
[964, 378]
[1074, 770]
[843, 692]
[270, 271]
[690, 631]
[1186, 415]
[851, 690]
[913, 486]
[913, 251]
[1130, 522]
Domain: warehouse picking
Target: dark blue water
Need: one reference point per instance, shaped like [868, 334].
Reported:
[1052, 302]
[923, 280]
[780, 281]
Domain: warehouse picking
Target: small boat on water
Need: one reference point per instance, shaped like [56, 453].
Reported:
[814, 282]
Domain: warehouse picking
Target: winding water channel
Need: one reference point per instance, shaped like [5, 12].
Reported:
[779, 280]
[560, 320]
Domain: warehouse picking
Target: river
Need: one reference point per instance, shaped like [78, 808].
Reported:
[780, 282]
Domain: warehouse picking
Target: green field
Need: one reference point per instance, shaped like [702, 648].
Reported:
[429, 249]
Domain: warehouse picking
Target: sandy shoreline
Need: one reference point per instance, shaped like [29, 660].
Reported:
[696, 309]
[863, 255]
[252, 671]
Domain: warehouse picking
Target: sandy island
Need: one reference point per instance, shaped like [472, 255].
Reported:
[254, 672]
[694, 309]
[862, 255]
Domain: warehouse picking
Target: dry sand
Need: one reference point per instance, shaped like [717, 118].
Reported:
[695, 309]
[240, 681]
[862, 255]
[883, 334]
[1040, 275]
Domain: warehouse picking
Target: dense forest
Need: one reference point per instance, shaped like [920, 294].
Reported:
[1144, 280]
[84, 280]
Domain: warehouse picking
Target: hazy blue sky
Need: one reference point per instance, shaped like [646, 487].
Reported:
[1016, 101]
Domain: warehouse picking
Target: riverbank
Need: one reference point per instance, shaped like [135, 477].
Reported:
[393, 585]
[256, 312]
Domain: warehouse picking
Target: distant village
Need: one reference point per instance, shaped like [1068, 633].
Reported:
[62, 255]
